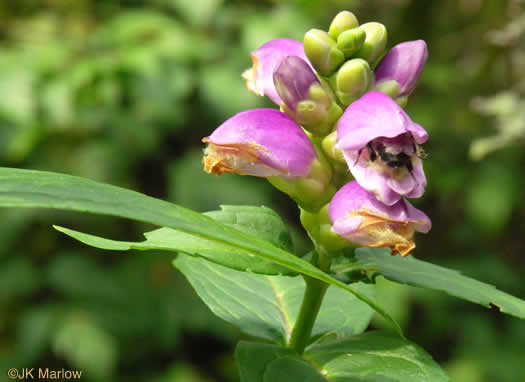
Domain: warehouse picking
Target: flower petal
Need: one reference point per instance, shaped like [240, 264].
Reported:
[375, 115]
[260, 142]
[259, 78]
[360, 218]
[293, 78]
[378, 141]
[404, 64]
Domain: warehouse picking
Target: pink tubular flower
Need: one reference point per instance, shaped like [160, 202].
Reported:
[359, 217]
[293, 78]
[380, 142]
[259, 78]
[260, 142]
[403, 64]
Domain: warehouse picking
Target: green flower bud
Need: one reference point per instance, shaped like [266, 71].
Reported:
[321, 50]
[351, 41]
[343, 21]
[352, 80]
[328, 145]
[318, 112]
[375, 42]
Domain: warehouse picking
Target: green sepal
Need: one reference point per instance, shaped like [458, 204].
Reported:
[390, 88]
[314, 190]
[319, 227]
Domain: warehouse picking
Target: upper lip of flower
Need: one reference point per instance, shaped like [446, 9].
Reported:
[373, 116]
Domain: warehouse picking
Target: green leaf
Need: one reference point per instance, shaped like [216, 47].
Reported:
[292, 369]
[371, 357]
[26, 188]
[259, 221]
[375, 356]
[267, 306]
[411, 271]
[252, 359]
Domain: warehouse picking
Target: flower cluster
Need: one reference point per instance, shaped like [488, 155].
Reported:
[340, 99]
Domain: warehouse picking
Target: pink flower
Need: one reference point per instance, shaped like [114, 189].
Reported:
[260, 142]
[403, 64]
[360, 218]
[380, 144]
[293, 78]
[259, 78]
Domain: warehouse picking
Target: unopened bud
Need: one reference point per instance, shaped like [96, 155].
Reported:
[293, 79]
[343, 21]
[321, 50]
[352, 80]
[403, 64]
[350, 41]
[329, 148]
[304, 97]
[375, 42]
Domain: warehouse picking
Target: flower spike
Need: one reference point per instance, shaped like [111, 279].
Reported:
[360, 218]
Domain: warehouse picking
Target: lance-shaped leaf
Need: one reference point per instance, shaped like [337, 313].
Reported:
[419, 273]
[259, 221]
[267, 306]
[40, 189]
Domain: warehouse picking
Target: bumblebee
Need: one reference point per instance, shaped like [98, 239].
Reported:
[401, 160]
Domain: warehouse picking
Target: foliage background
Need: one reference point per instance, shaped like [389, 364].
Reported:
[123, 91]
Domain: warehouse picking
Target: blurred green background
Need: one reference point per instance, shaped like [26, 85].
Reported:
[123, 91]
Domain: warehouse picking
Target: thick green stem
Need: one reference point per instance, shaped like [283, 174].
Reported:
[310, 306]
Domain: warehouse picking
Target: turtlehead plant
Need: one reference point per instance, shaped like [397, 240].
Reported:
[340, 144]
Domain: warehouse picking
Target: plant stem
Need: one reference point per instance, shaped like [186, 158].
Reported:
[310, 306]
